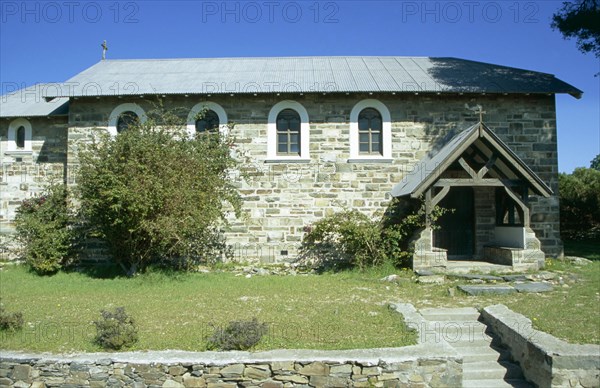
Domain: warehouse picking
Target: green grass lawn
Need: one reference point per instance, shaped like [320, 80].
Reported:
[176, 312]
[588, 249]
[330, 311]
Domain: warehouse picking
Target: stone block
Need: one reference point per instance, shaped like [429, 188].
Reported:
[22, 373]
[172, 384]
[235, 370]
[314, 369]
[194, 382]
[257, 373]
[177, 370]
[328, 381]
[487, 289]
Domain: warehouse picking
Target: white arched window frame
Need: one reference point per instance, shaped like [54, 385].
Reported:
[218, 109]
[127, 107]
[272, 133]
[386, 135]
[14, 125]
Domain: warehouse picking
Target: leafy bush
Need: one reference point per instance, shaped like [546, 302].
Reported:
[116, 329]
[580, 204]
[238, 335]
[156, 195]
[351, 239]
[10, 321]
[345, 239]
[44, 230]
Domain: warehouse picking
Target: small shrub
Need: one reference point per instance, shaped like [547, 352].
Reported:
[44, 230]
[351, 239]
[345, 239]
[10, 321]
[238, 335]
[116, 329]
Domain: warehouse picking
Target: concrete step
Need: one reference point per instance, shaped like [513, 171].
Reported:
[462, 314]
[457, 331]
[495, 383]
[484, 353]
[475, 343]
[491, 370]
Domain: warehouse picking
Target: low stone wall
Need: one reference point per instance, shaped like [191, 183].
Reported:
[412, 366]
[545, 360]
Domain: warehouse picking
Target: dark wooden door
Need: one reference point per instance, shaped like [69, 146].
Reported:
[456, 229]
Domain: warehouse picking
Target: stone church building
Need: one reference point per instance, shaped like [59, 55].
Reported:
[325, 134]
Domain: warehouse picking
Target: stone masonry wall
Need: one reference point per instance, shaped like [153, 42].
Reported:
[24, 175]
[282, 198]
[406, 371]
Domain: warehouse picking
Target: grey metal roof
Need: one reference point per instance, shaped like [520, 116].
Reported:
[306, 75]
[432, 166]
[30, 102]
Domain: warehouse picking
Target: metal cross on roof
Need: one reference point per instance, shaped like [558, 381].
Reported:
[104, 49]
[477, 109]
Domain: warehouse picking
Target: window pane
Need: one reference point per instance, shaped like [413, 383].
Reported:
[282, 148]
[375, 137]
[295, 124]
[294, 138]
[364, 147]
[200, 125]
[294, 148]
[363, 124]
[375, 147]
[282, 124]
[126, 119]
[376, 123]
[21, 137]
[363, 137]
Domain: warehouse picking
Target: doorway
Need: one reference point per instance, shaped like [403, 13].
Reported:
[456, 230]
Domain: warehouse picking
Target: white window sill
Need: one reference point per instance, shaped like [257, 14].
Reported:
[377, 159]
[18, 152]
[288, 160]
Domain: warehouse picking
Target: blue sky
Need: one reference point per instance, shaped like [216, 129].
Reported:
[50, 41]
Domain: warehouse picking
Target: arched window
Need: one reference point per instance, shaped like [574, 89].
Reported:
[370, 127]
[123, 116]
[125, 120]
[288, 132]
[208, 122]
[20, 138]
[370, 132]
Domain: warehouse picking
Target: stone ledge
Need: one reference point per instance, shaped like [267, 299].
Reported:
[362, 356]
[546, 360]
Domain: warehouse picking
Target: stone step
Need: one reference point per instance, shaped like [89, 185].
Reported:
[475, 343]
[484, 353]
[464, 314]
[491, 370]
[457, 331]
[496, 383]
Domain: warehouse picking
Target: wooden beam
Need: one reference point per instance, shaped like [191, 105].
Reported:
[484, 170]
[428, 207]
[467, 168]
[521, 204]
[439, 196]
[491, 182]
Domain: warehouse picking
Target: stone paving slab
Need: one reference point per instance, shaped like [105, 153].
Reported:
[533, 287]
[487, 289]
[477, 277]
